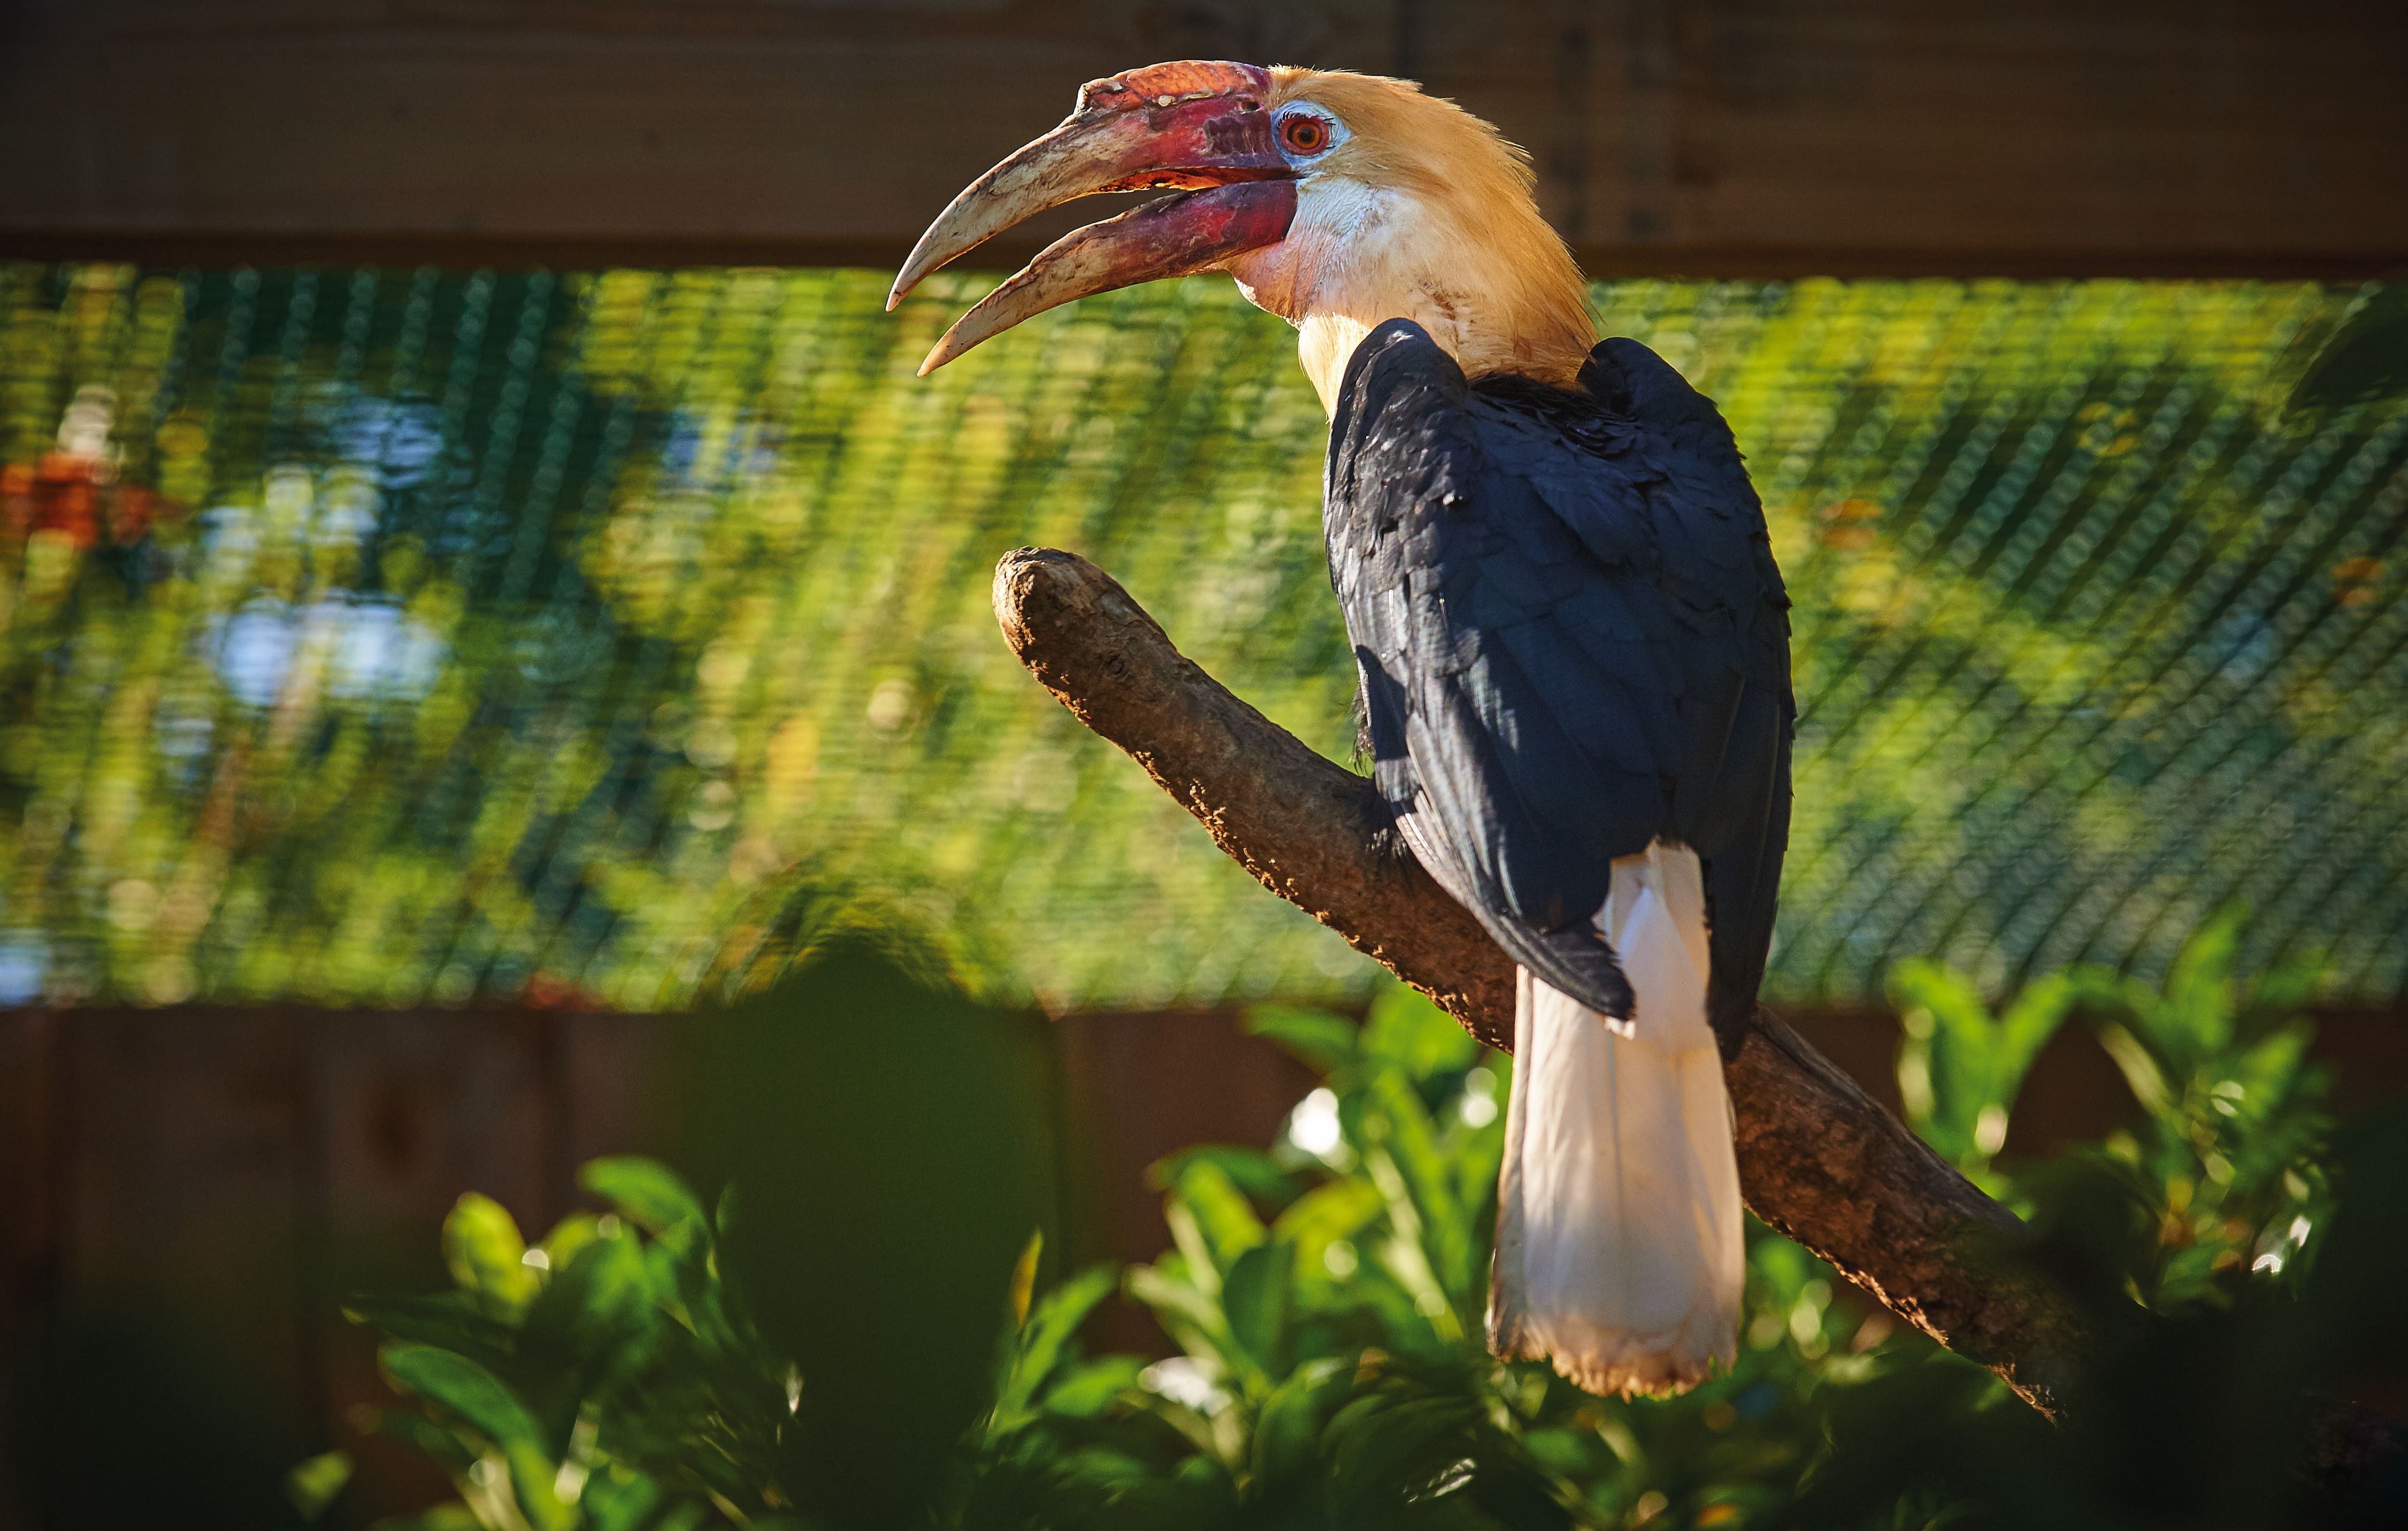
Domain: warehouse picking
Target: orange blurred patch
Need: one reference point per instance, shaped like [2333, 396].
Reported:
[1849, 525]
[66, 497]
[2358, 582]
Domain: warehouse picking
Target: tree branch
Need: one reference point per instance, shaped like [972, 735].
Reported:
[1818, 1158]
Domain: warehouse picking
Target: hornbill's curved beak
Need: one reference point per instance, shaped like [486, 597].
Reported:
[1203, 128]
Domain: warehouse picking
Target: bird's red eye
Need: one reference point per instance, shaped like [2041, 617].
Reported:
[1304, 134]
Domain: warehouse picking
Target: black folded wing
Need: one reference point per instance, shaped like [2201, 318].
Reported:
[1573, 642]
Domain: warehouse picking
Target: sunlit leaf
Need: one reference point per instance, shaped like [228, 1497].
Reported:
[1960, 1069]
[2200, 1003]
[1328, 1042]
[463, 1388]
[314, 1483]
[1222, 1216]
[486, 1254]
[1189, 1315]
[1406, 1029]
[645, 1191]
[1251, 1171]
[1340, 1209]
[2141, 1071]
[1090, 1387]
[1024, 1276]
[1436, 1221]
[1046, 1334]
[567, 1236]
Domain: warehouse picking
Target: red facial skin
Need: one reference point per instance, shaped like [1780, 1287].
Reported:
[1201, 127]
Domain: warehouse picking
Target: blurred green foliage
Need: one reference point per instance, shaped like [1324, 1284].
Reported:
[1958, 1068]
[2219, 1062]
[606, 1376]
[380, 637]
[1324, 1297]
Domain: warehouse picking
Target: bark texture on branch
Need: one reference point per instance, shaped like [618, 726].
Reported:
[1818, 1158]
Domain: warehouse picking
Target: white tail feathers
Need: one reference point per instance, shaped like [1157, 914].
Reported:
[1619, 1247]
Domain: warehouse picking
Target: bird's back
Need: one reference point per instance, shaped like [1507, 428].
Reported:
[1573, 645]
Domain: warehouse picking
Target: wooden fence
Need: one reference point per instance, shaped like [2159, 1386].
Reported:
[238, 1172]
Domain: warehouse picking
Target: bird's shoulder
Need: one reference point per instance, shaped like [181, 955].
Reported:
[1636, 466]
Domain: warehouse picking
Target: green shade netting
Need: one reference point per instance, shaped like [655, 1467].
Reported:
[379, 636]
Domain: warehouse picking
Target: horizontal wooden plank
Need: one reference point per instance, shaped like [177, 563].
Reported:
[1716, 137]
[406, 250]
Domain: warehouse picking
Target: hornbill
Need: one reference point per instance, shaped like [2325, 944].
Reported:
[1571, 636]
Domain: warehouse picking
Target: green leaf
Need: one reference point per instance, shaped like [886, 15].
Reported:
[645, 1191]
[487, 1256]
[451, 1319]
[2363, 360]
[567, 1236]
[676, 1265]
[1407, 1029]
[2282, 993]
[462, 1387]
[1255, 1297]
[1959, 1070]
[438, 1444]
[1479, 1152]
[1942, 1056]
[1382, 1449]
[2199, 1005]
[1287, 1432]
[1090, 1387]
[620, 1497]
[1220, 1211]
[1188, 1315]
[445, 1517]
[2141, 1075]
[1374, 1295]
[1045, 1336]
[1327, 1213]
[605, 1292]
[1395, 1117]
[1024, 1276]
[2109, 994]
[314, 1483]
[2269, 1072]
[594, 1323]
[467, 1391]
[1254, 1172]
[1194, 1255]
[1328, 1043]
[2035, 1015]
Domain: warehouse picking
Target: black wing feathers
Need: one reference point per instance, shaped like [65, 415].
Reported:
[1573, 641]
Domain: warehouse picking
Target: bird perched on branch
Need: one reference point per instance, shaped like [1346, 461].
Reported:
[1572, 639]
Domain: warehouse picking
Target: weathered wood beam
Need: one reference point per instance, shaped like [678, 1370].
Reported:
[1673, 138]
[1818, 1158]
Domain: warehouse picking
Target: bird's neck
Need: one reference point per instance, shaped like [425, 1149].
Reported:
[1492, 285]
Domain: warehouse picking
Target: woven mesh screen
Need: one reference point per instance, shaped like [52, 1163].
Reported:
[382, 636]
